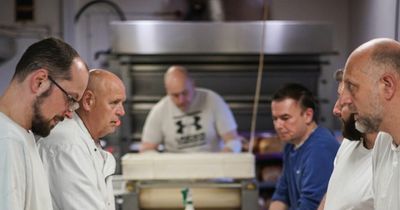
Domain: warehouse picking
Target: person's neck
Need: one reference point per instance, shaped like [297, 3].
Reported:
[391, 119]
[90, 126]
[369, 140]
[17, 106]
[310, 129]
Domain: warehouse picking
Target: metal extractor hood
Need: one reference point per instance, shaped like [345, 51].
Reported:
[173, 37]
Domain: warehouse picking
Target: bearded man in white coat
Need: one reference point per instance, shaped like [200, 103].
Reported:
[78, 168]
[48, 81]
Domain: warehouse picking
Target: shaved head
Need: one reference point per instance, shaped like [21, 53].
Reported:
[382, 52]
[179, 87]
[99, 80]
[102, 104]
[176, 74]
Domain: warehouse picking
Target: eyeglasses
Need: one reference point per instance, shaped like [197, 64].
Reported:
[73, 104]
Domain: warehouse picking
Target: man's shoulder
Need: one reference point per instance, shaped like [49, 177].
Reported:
[323, 140]
[384, 138]
[209, 97]
[350, 144]
[383, 143]
[162, 103]
[11, 130]
[12, 143]
[348, 147]
[322, 132]
[11, 134]
[63, 134]
[66, 127]
[207, 92]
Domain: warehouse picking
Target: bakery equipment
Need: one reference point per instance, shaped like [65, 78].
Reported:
[216, 180]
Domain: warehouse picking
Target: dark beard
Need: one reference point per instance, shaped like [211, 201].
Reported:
[41, 126]
[349, 130]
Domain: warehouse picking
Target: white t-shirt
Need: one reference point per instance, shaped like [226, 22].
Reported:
[386, 173]
[350, 185]
[79, 170]
[23, 182]
[197, 130]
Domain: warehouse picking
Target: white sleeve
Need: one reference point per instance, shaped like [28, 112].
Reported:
[13, 181]
[152, 131]
[225, 121]
[71, 177]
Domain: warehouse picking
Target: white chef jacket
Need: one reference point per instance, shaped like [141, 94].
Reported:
[386, 173]
[79, 170]
[350, 185]
[23, 182]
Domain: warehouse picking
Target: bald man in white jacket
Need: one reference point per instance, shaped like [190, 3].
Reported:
[78, 168]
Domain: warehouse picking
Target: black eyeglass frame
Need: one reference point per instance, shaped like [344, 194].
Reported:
[73, 104]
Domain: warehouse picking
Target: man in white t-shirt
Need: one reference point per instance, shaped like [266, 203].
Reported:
[189, 119]
[372, 81]
[350, 185]
[49, 79]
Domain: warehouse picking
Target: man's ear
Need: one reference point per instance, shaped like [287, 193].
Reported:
[39, 81]
[88, 100]
[309, 114]
[389, 83]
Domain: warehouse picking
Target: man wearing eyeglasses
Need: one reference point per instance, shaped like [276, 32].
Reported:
[78, 168]
[34, 103]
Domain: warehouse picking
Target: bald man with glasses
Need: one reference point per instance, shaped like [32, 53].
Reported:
[32, 105]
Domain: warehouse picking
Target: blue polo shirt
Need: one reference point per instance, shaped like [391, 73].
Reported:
[306, 171]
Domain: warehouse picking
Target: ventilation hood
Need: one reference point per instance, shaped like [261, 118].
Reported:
[178, 37]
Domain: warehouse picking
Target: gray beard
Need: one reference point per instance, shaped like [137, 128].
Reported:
[360, 127]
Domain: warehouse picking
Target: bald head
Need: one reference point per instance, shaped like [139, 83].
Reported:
[176, 74]
[100, 80]
[102, 103]
[378, 43]
[382, 53]
[179, 87]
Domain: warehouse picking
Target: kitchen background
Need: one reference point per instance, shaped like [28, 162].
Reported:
[351, 23]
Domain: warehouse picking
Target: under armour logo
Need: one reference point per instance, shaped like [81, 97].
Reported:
[195, 123]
